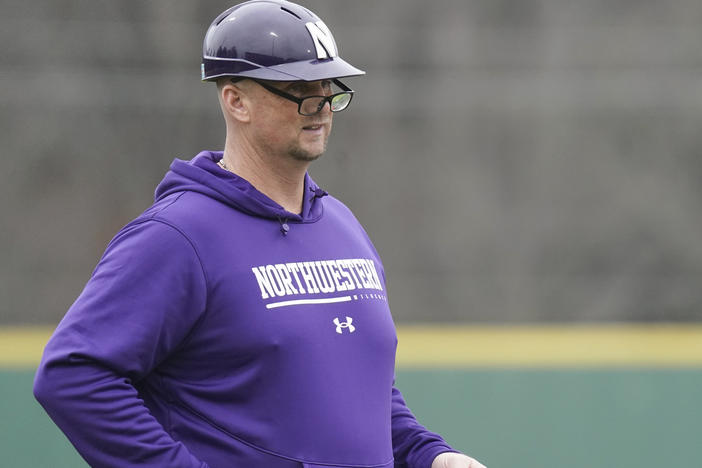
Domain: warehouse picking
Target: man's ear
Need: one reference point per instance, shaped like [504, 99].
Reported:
[235, 102]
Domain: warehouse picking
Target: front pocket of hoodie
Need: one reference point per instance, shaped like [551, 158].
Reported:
[316, 465]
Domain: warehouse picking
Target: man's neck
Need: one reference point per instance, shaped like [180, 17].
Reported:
[282, 180]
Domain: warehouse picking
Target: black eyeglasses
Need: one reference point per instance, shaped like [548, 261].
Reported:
[311, 105]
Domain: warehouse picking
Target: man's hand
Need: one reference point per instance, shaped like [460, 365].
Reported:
[455, 460]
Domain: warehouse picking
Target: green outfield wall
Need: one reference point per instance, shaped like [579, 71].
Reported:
[522, 410]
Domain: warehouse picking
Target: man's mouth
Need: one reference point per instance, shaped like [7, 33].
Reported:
[313, 127]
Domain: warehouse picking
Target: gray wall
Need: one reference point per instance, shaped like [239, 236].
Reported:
[514, 161]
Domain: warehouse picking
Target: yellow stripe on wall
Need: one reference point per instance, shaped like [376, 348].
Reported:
[493, 346]
[21, 347]
[625, 345]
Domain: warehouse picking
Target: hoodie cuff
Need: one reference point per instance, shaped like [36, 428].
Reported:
[426, 458]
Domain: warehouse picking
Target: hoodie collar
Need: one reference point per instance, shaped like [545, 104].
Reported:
[202, 174]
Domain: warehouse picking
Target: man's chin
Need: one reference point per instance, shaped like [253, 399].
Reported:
[299, 154]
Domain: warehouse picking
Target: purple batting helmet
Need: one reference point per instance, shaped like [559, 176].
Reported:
[272, 40]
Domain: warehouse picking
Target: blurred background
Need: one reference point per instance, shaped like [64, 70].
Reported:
[515, 162]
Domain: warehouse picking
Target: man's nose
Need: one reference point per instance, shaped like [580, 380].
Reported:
[326, 108]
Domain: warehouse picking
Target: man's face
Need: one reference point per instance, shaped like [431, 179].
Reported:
[281, 130]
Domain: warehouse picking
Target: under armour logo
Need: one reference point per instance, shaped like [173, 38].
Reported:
[341, 325]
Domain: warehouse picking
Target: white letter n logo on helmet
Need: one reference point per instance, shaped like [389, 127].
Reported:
[323, 39]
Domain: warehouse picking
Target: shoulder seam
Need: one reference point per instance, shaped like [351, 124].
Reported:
[153, 215]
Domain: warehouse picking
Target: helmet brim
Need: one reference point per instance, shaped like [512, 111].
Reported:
[307, 70]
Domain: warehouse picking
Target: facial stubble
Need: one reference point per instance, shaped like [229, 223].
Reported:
[299, 154]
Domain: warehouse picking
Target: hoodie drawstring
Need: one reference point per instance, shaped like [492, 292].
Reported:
[284, 227]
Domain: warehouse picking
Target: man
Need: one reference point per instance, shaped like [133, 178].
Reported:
[241, 320]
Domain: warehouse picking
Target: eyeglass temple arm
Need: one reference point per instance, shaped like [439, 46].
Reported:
[342, 85]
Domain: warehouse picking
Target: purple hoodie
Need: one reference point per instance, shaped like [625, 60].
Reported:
[219, 330]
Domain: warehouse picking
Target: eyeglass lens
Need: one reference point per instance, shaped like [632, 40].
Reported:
[314, 104]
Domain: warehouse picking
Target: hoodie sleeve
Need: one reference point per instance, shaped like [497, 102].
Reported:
[144, 297]
[413, 445]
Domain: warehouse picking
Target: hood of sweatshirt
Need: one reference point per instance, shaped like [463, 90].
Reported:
[202, 174]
